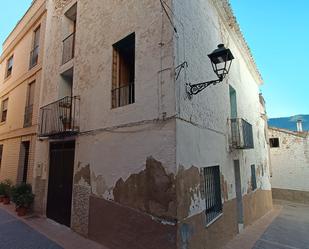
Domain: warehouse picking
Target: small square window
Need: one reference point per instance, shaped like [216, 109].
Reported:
[212, 191]
[274, 142]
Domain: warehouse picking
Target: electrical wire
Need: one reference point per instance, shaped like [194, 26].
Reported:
[163, 4]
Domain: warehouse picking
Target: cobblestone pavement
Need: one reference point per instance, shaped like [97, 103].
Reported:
[14, 234]
[290, 230]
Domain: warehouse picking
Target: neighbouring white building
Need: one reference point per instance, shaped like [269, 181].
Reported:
[125, 156]
[289, 153]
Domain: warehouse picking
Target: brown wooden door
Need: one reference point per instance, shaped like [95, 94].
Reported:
[60, 182]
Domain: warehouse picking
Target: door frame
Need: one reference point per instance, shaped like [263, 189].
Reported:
[50, 143]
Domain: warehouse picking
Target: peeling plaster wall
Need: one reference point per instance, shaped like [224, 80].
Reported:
[202, 128]
[114, 145]
[290, 162]
[115, 155]
[133, 167]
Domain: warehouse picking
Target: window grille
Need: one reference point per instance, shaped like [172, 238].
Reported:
[212, 187]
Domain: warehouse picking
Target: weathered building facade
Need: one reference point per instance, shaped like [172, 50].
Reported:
[20, 80]
[124, 155]
[290, 164]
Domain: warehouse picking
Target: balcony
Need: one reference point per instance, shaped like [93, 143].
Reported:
[241, 136]
[60, 118]
[68, 48]
[34, 56]
[123, 95]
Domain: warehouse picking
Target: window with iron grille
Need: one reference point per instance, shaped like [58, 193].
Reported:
[123, 92]
[9, 67]
[4, 110]
[253, 177]
[212, 191]
[274, 142]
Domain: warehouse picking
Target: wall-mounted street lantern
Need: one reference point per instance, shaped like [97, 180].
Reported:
[221, 61]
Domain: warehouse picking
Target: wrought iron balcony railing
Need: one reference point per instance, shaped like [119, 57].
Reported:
[68, 48]
[60, 118]
[241, 134]
[123, 95]
[34, 56]
[28, 116]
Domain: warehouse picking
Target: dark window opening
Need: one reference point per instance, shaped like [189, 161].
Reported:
[68, 42]
[34, 54]
[1, 152]
[29, 105]
[253, 177]
[274, 142]
[24, 161]
[9, 68]
[4, 110]
[212, 191]
[123, 74]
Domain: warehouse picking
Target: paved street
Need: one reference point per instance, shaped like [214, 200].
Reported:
[286, 227]
[290, 230]
[14, 234]
[34, 232]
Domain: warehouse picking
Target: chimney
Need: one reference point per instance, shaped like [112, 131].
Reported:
[299, 125]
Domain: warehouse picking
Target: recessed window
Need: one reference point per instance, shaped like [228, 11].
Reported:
[34, 54]
[9, 67]
[253, 177]
[274, 142]
[69, 26]
[212, 191]
[123, 74]
[29, 105]
[4, 110]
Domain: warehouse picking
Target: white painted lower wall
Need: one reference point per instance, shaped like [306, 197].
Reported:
[290, 161]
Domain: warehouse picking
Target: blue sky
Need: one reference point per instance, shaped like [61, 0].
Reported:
[277, 32]
[10, 13]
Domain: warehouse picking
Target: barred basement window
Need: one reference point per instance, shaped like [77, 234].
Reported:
[274, 142]
[253, 177]
[123, 92]
[212, 188]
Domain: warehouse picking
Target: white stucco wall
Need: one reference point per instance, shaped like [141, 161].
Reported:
[115, 142]
[202, 127]
[290, 161]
